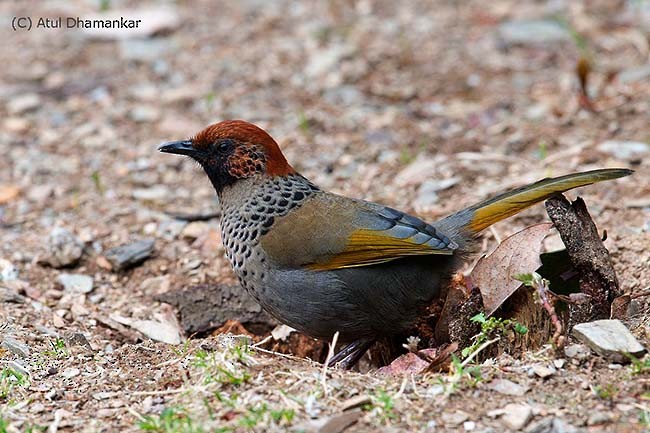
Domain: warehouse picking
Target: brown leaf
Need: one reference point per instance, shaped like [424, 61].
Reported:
[518, 254]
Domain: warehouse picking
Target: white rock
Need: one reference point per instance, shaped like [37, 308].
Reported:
[637, 73]
[577, 351]
[16, 347]
[533, 32]
[71, 372]
[64, 248]
[144, 114]
[454, 418]
[76, 283]
[609, 338]
[543, 371]
[516, 416]
[507, 387]
[8, 272]
[23, 103]
[628, 150]
[154, 193]
[195, 230]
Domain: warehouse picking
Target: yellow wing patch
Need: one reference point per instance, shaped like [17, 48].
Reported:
[369, 247]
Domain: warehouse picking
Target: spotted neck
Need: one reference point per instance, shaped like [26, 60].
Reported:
[249, 208]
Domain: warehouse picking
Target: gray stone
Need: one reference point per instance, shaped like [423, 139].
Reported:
[71, 372]
[577, 351]
[154, 193]
[76, 283]
[454, 418]
[144, 50]
[427, 192]
[507, 387]
[517, 416]
[543, 371]
[8, 271]
[599, 418]
[552, 425]
[126, 256]
[16, 347]
[195, 230]
[533, 32]
[63, 248]
[23, 103]
[609, 338]
[637, 73]
[144, 114]
[170, 229]
[628, 150]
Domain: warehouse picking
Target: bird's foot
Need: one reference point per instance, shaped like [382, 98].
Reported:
[347, 357]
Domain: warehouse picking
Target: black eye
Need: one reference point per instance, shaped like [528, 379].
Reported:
[224, 145]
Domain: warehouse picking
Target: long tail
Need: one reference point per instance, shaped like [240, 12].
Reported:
[470, 221]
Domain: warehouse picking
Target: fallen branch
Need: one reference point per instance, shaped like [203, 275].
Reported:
[589, 257]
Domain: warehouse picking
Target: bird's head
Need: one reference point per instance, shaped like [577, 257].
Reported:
[232, 150]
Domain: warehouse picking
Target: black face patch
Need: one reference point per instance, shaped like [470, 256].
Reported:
[229, 160]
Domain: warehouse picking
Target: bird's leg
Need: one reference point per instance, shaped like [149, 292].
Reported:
[347, 357]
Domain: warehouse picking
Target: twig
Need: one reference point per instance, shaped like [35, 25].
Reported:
[330, 353]
[262, 342]
[496, 235]
[541, 285]
[135, 413]
[283, 355]
[478, 350]
[415, 390]
[402, 388]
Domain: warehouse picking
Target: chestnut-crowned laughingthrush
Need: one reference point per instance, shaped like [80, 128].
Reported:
[320, 262]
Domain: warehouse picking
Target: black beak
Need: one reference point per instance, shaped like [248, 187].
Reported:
[183, 147]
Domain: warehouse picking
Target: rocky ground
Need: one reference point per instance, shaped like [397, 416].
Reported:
[425, 106]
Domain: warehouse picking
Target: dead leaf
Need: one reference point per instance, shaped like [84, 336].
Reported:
[409, 363]
[518, 254]
[282, 332]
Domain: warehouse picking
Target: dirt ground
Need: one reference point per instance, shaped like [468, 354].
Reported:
[428, 106]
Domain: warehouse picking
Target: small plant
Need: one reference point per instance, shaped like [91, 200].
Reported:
[490, 327]
[644, 418]
[170, 420]
[58, 349]
[32, 428]
[639, 366]
[228, 369]
[9, 379]
[605, 392]
[303, 122]
[383, 405]
[97, 181]
[542, 149]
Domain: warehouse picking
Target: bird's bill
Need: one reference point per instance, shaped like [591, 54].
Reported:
[182, 147]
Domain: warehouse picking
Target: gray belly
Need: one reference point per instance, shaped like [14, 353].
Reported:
[369, 301]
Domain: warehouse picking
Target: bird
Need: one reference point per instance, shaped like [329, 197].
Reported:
[324, 263]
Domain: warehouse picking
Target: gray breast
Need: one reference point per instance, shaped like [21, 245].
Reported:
[249, 208]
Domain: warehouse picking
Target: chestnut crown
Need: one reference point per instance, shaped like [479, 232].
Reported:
[232, 150]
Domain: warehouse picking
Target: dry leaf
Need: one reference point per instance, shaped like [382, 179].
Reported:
[518, 254]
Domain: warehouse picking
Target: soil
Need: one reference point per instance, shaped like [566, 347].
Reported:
[424, 106]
